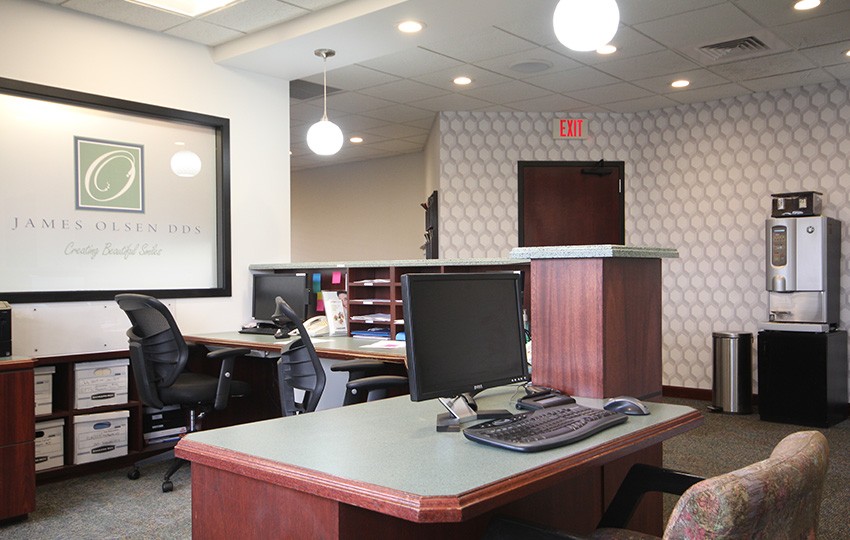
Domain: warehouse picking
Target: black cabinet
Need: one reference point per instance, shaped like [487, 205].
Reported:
[802, 377]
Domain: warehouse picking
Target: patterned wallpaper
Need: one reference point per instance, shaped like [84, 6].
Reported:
[698, 178]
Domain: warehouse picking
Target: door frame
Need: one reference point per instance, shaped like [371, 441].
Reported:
[618, 166]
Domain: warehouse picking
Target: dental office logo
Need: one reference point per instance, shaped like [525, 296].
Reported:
[109, 175]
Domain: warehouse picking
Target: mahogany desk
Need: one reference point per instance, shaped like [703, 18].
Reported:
[380, 470]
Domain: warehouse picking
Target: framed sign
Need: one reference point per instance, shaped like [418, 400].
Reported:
[100, 196]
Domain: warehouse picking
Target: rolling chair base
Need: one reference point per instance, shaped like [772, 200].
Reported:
[167, 485]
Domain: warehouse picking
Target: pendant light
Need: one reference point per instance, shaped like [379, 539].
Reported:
[586, 25]
[324, 137]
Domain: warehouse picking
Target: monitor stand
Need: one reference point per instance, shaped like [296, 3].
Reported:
[462, 409]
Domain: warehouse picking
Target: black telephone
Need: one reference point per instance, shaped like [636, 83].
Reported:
[538, 397]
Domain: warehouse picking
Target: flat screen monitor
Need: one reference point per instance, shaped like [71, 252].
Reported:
[464, 333]
[294, 288]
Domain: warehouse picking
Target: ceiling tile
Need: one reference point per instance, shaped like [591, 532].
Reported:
[609, 94]
[842, 73]
[394, 131]
[127, 12]
[358, 122]
[647, 65]
[818, 30]
[828, 55]
[411, 62]
[503, 64]
[573, 79]
[789, 80]
[353, 77]
[508, 91]
[203, 32]
[720, 22]
[638, 11]
[711, 93]
[400, 113]
[489, 43]
[779, 13]
[251, 15]
[314, 5]
[698, 78]
[450, 102]
[765, 66]
[353, 102]
[403, 91]
[445, 78]
[555, 102]
[642, 104]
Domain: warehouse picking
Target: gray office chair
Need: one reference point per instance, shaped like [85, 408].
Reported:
[158, 357]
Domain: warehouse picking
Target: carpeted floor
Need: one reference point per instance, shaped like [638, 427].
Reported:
[107, 505]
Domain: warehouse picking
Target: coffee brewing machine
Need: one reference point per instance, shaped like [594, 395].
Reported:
[802, 354]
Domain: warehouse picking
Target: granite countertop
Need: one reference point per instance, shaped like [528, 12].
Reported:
[369, 264]
[593, 251]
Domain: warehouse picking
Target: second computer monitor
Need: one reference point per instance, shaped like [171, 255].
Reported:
[464, 332]
[293, 288]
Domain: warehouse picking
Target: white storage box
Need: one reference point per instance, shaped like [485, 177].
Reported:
[44, 389]
[49, 444]
[100, 383]
[100, 436]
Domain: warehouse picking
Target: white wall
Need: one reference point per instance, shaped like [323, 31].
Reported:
[360, 211]
[61, 48]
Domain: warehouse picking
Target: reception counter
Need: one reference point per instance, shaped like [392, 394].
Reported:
[596, 318]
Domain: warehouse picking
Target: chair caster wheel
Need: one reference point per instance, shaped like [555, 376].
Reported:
[134, 474]
[167, 486]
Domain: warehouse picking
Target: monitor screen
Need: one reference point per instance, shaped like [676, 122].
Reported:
[464, 332]
[293, 288]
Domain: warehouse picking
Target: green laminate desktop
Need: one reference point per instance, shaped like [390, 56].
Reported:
[383, 464]
[336, 347]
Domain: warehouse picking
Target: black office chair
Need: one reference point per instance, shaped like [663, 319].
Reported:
[298, 367]
[370, 379]
[158, 356]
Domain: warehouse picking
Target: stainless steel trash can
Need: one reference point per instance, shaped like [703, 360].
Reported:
[732, 386]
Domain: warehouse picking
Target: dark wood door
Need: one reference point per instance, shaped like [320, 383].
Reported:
[571, 203]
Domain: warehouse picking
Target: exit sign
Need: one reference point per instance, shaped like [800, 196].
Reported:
[570, 128]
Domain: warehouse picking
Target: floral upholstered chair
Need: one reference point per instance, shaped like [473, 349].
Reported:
[777, 498]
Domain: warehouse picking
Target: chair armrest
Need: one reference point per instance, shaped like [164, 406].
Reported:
[642, 479]
[367, 366]
[227, 356]
[367, 384]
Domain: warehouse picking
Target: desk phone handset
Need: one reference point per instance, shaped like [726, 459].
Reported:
[316, 327]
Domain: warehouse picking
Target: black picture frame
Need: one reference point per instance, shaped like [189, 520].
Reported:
[221, 129]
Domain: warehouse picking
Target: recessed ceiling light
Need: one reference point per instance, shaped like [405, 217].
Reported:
[190, 8]
[356, 140]
[803, 5]
[847, 53]
[410, 27]
[531, 66]
[462, 81]
[606, 49]
[681, 83]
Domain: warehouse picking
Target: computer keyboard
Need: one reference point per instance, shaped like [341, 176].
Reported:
[544, 428]
[262, 330]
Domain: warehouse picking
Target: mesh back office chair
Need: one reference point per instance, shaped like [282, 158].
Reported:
[299, 368]
[158, 356]
[777, 498]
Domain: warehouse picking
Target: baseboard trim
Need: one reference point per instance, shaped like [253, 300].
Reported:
[701, 394]
[683, 392]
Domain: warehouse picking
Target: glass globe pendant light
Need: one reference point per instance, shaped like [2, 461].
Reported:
[324, 137]
[586, 25]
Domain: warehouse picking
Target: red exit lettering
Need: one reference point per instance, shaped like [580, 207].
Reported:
[569, 128]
